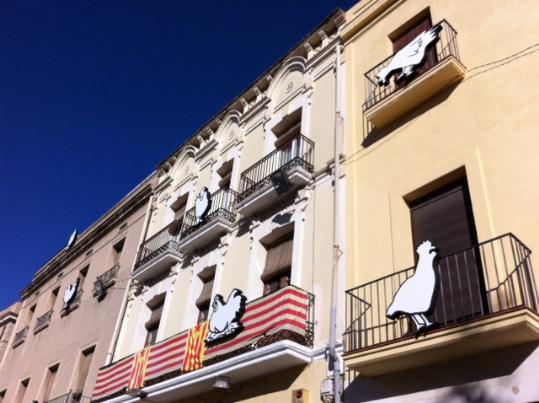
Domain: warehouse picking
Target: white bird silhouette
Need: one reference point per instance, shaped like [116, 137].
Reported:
[70, 293]
[415, 296]
[225, 317]
[409, 57]
[202, 205]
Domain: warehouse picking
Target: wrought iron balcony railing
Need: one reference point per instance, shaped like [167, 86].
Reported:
[43, 321]
[69, 398]
[298, 151]
[157, 244]
[20, 336]
[487, 279]
[223, 203]
[106, 280]
[445, 47]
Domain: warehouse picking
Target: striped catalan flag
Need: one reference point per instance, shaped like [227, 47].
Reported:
[285, 309]
[138, 373]
[195, 347]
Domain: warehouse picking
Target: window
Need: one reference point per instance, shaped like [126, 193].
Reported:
[23, 386]
[287, 129]
[152, 325]
[53, 297]
[50, 378]
[85, 361]
[225, 173]
[278, 265]
[178, 207]
[82, 276]
[30, 315]
[203, 301]
[408, 33]
[117, 252]
[445, 218]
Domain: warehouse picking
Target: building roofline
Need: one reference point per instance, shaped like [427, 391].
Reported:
[118, 212]
[337, 16]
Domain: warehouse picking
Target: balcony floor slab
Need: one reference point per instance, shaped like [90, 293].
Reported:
[207, 233]
[420, 90]
[265, 360]
[491, 333]
[158, 265]
[268, 195]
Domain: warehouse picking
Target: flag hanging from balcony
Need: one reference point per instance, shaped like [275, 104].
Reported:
[195, 347]
[138, 371]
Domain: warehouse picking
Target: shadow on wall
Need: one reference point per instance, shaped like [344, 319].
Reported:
[251, 389]
[372, 134]
[455, 373]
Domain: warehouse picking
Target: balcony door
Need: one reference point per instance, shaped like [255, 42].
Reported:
[445, 218]
[414, 28]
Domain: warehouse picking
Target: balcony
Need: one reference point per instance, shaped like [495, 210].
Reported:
[43, 321]
[494, 309]
[282, 170]
[386, 103]
[20, 336]
[105, 281]
[277, 334]
[197, 232]
[158, 253]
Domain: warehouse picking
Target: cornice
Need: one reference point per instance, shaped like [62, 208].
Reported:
[114, 217]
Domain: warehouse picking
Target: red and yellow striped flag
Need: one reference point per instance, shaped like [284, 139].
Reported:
[138, 371]
[195, 347]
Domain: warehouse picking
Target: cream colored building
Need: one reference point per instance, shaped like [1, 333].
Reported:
[70, 308]
[264, 165]
[448, 154]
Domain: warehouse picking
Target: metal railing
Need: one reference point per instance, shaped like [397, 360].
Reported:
[69, 398]
[490, 278]
[445, 47]
[223, 203]
[157, 244]
[43, 320]
[298, 151]
[107, 278]
[20, 336]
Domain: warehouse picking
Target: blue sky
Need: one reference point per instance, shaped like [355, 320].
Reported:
[93, 94]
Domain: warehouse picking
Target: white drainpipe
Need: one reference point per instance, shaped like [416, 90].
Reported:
[333, 356]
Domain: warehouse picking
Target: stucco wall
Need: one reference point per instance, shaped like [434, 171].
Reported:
[486, 124]
[91, 324]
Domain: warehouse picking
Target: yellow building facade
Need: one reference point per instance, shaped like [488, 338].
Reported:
[441, 140]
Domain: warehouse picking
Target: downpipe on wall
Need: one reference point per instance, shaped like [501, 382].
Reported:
[334, 361]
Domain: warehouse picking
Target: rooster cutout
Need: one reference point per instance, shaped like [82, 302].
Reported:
[225, 317]
[409, 57]
[202, 205]
[416, 295]
[70, 293]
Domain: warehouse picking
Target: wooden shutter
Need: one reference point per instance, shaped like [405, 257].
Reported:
[278, 259]
[408, 35]
[49, 382]
[84, 368]
[205, 294]
[225, 172]
[207, 276]
[445, 218]
[288, 135]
